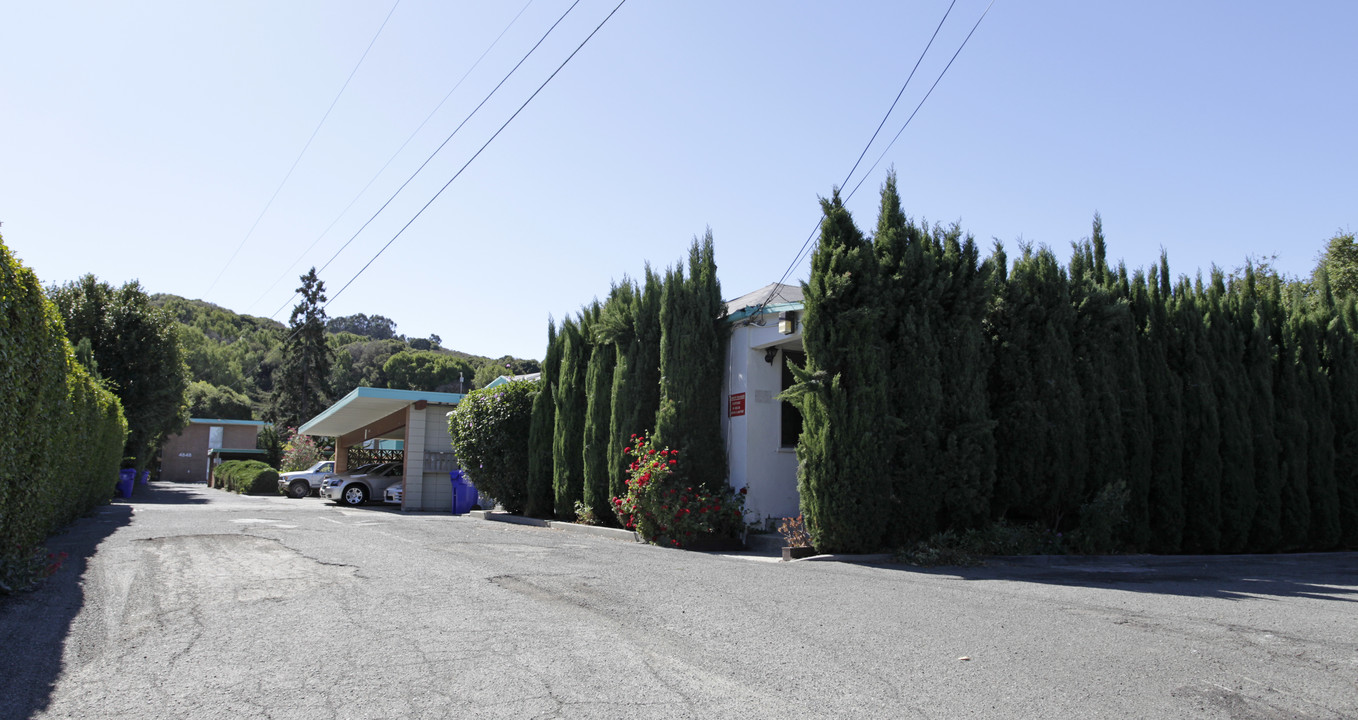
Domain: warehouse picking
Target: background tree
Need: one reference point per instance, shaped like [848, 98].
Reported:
[136, 348]
[428, 370]
[374, 327]
[302, 381]
[1339, 261]
[206, 400]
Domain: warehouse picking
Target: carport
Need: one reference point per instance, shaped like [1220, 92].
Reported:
[417, 417]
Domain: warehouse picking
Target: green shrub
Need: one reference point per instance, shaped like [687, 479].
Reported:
[490, 429]
[247, 477]
[64, 431]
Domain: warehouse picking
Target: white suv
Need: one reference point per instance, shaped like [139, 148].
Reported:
[300, 483]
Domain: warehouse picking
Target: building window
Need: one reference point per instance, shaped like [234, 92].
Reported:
[792, 417]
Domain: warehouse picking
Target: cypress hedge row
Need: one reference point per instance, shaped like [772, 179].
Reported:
[648, 359]
[63, 432]
[1150, 413]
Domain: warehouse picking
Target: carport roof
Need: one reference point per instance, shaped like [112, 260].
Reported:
[366, 405]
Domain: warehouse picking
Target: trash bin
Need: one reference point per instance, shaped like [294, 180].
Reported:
[145, 477]
[464, 493]
[126, 478]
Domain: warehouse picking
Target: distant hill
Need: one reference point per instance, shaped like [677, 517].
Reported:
[232, 357]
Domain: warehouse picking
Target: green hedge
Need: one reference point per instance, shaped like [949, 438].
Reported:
[247, 477]
[63, 432]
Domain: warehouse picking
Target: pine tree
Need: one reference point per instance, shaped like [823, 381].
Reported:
[541, 498]
[841, 392]
[302, 380]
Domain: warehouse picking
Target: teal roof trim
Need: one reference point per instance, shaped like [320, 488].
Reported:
[210, 421]
[749, 312]
[403, 397]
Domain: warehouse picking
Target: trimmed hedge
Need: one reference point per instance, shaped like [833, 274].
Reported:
[63, 432]
[247, 477]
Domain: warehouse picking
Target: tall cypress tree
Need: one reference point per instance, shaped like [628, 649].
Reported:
[618, 327]
[1232, 387]
[693, 341]
[914, 394]
[598, 423]
[1191, 355]
[567, 457]
[1095, 339]
[1293, 426]
[1265, 533]
[1039, 440]
[1342, 363]
[541, 499]
[841, 392]
[1164, 390]
[966, 459]
[1324, 530]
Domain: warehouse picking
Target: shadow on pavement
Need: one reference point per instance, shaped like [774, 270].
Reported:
[1320, 576]
[166, 493]
[34, 626]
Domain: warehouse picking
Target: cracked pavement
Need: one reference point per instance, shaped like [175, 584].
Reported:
[189, 602]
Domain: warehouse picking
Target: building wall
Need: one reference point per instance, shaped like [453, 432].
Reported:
[184, 456]
[428, 459]
[756, 460]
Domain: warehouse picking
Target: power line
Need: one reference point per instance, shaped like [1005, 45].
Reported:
[393, 157]
[444, 143]
[478, 152]
[807, 243]
[304, 149]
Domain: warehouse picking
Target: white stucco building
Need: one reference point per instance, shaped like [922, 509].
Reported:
[760, 430]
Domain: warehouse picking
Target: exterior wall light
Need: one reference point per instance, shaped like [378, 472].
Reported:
[787, 322]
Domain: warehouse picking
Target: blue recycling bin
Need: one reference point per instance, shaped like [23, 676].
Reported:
[145, 477]
[464, 493]
[126, 478]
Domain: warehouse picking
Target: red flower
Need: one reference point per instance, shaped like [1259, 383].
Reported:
[673, 462]
[743, 490]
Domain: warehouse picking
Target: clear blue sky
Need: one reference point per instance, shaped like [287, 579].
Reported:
[143, 139]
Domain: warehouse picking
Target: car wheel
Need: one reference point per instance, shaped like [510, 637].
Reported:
[354, 495]
[299, 489]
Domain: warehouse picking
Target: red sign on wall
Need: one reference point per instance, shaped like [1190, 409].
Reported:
[737, 404]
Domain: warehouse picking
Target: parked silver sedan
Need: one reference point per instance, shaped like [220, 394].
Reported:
[357, 489]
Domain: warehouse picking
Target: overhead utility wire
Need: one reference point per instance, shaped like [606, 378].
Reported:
[921, 102]
[478, 152]
[393, 157]
[444, 143]
[774, 290]
[304, 149]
